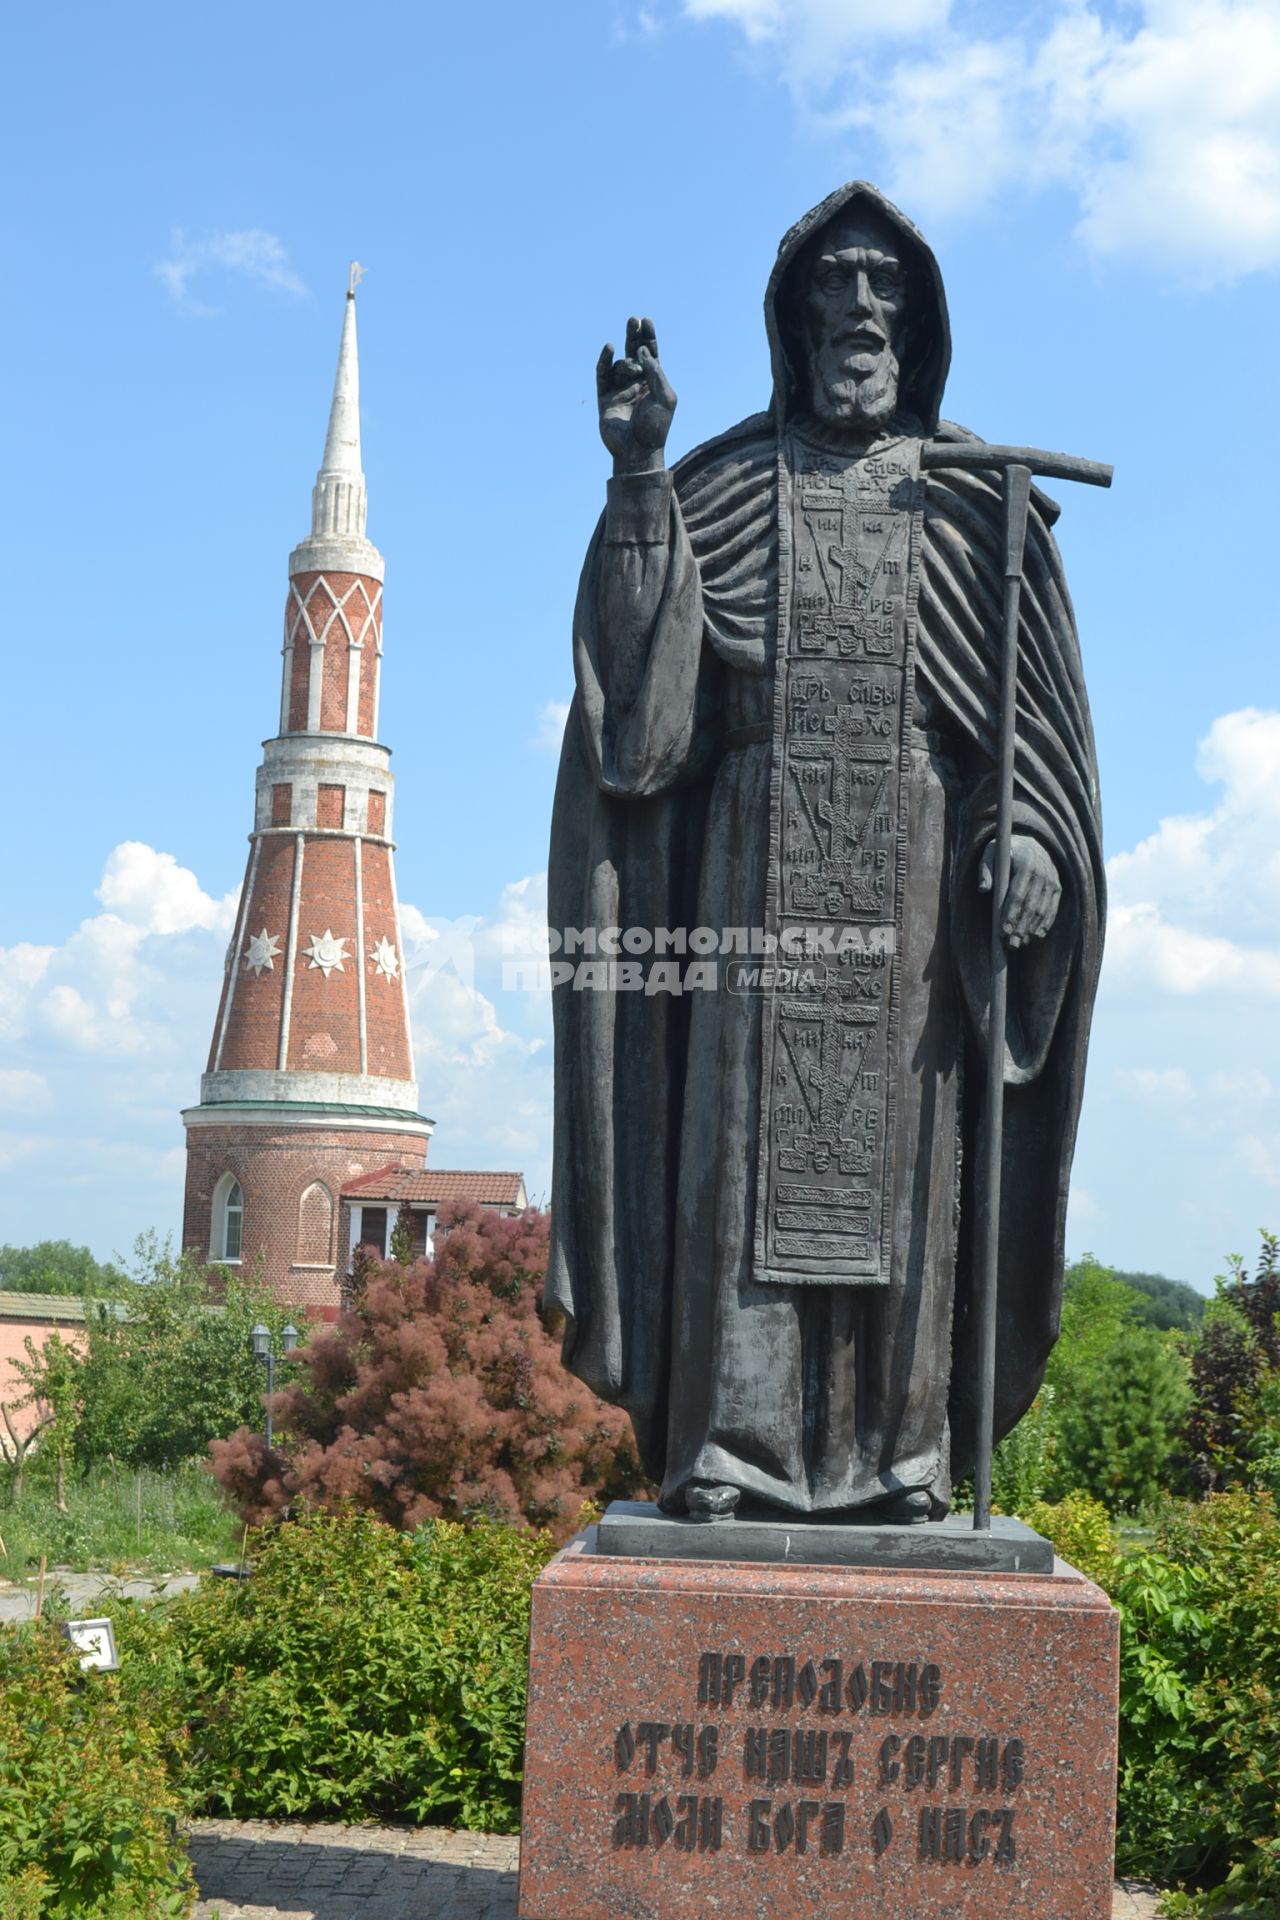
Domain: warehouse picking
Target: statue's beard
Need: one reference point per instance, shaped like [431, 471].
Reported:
[858, 401]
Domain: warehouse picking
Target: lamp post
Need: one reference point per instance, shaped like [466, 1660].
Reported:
[263, 1350]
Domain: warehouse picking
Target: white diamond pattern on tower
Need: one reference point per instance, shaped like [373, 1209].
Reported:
[385, 958]
[262, 952]
[327, 951]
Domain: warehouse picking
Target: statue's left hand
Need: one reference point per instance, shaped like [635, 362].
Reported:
[1035, 891]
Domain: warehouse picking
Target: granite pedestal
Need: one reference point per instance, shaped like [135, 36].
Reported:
[757, 1741]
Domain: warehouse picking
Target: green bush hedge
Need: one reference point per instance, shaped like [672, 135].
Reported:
[360, 1673]
[87, 1814]
[365, 1672]
[1199, 1789]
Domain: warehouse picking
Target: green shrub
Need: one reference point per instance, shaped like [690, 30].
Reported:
[1199, 1777]
[1082, 1533]
[361, 1673]
[1022, 1465]
[87, 1822]
[22, 1895]
[1199, 1799]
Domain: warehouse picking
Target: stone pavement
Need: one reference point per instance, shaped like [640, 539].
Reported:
[253, 1870]
[84, 1591]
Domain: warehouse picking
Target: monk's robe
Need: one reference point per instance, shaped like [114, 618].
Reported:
[784, 735]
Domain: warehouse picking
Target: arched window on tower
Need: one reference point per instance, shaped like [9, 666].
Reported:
[227, 1225]
[315, 1227]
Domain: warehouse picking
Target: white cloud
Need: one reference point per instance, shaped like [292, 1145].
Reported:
[1083, 1207]
[1158, 1083]
[1177, 1141]
[1261, 1157]
[1146, 950]
[813, 32]
[150, 890]
[106, 1034]
[116, 985]
[1199, 873]
[1162, 120]
[1251, 1084]
[22, 1091]
[551, 723]
[21, 968]
[248, 251]
[481, 1042]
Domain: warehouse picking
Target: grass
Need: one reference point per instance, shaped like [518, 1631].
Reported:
[154, 1522]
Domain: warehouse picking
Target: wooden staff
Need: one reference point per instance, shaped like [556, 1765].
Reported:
[1017, 464]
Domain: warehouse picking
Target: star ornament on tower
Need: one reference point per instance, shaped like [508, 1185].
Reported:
[262, 952]
[328, 952]
[385, 959]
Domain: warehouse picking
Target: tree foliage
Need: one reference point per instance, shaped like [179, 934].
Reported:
[440, 1394]
[1120, 1395]
[52, 1375]
[55, 1266]
[1166, 1304]
[402, 1236]
[1233, 1430]
[177, 1369]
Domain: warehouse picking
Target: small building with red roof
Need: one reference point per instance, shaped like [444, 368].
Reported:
[370, 1205]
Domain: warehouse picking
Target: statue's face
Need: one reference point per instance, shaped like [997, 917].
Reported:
[853, 312]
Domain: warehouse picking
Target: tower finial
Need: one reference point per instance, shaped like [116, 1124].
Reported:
[338, 500]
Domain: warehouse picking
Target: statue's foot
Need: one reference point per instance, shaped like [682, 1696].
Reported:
[711, 1500]
[907, 1509]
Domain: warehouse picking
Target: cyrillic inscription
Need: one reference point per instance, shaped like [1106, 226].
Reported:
[837, 848]
[798, 1773]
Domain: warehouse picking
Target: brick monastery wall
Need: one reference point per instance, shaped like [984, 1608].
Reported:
[324, 1022]
[253, 1031]
[276, 1168]
[387, 1036]
[339, 609]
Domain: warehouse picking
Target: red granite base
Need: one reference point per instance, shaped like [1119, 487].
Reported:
[754, 1742]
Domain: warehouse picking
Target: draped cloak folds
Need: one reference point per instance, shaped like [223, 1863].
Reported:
[836, 1397]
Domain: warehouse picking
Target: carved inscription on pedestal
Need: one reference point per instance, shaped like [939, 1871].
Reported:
[837, 857]
[801, 1761]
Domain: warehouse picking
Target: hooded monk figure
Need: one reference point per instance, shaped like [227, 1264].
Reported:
[771, 863]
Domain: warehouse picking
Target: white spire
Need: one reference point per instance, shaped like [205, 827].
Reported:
[338, 500]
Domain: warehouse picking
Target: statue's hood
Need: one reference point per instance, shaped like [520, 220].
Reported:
[928, 351]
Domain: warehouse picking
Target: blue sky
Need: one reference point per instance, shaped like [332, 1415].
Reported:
[1102, 185]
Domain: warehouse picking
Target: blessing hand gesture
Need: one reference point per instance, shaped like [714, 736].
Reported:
[637, 401]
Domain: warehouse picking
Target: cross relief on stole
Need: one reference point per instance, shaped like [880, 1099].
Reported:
[838, 834]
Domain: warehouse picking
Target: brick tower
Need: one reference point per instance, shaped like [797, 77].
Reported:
[310, 1078]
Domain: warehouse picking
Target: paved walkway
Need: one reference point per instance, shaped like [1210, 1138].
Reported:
[251, 1870]
[85, 1590]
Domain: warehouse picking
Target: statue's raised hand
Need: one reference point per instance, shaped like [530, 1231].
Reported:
[636, 401]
